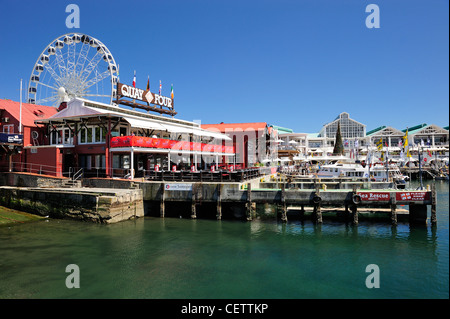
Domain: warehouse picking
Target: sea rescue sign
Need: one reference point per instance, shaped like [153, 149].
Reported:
[374, 196]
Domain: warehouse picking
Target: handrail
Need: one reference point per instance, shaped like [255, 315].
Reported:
[78, 174]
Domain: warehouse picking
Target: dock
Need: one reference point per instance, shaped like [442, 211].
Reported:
[106, 200]
[246, 199]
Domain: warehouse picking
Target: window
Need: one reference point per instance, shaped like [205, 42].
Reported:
[100, 161]
[82, 138]
[9, 129]
[67, 136]
[55, 138]
[92, 134]
[89, 135]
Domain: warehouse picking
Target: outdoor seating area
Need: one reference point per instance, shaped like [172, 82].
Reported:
[239, 175]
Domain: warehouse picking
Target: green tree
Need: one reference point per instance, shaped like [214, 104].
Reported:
[338, 146]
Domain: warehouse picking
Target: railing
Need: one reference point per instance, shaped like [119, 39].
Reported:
[78, 174]
[187, 175]
[32, 168]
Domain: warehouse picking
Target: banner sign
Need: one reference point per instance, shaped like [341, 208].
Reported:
[11, 138]
[374, 196]
[178, 187]
[132, 93]
[150, 142]
[412, 196]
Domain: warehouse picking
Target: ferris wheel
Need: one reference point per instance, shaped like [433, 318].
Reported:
[73, 65]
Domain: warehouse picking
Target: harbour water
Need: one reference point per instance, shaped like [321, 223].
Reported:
[189, 259]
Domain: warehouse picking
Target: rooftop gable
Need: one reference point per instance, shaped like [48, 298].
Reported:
[30, 112]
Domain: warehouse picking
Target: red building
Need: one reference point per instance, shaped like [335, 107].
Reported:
[112, 141]
[253, 142]
[16, 121]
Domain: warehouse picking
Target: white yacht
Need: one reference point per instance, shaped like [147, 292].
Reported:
[355, 171]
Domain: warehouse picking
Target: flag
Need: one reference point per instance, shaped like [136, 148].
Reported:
[379, 144]
[148, 83]
[405, 139]
[406, 144]
[429, 153]
[171, 92]
[134, 79]
[160, 86]
[382, 156]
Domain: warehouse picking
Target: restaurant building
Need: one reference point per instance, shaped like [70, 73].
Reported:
[110, 141]
[253, 142]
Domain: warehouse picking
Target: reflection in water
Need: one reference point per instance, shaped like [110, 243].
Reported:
[184, 258]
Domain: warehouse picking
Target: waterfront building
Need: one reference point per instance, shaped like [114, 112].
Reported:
[351, 131]
[253, 142]
[110, 141]
[429, 135]
[357, 142]
[18, 129]
[321, 143]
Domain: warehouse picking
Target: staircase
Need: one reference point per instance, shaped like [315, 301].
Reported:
[74, 181]
[71, 184]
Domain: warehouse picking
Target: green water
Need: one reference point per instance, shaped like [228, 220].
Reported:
[183, 258]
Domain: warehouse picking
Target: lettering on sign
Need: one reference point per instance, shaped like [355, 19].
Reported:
[178, 187]
[412, 196]
[133, 93]
[374, 196]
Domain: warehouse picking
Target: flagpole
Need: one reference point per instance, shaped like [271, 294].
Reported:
[20, 111]
[420, 167]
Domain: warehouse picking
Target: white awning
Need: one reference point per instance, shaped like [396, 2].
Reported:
[147, 124]
[200, 132]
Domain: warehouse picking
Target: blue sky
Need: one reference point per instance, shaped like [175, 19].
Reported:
[296, 64]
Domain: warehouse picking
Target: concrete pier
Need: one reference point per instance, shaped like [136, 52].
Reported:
[123, 199]
[247, 196]
[95, 205]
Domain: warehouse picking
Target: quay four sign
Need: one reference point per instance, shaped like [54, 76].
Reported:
[144, 95]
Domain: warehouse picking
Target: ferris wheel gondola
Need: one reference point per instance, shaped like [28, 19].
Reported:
[73, 65]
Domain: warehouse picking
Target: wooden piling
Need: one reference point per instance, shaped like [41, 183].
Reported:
[162, 204]
[317, 212]
[249, 202]
[354, 210]
[219, 203]
[194, 199]
[393, 210]
[283, 203]
[433, 204]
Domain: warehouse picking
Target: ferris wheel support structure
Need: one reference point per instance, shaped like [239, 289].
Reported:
[73, 65]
